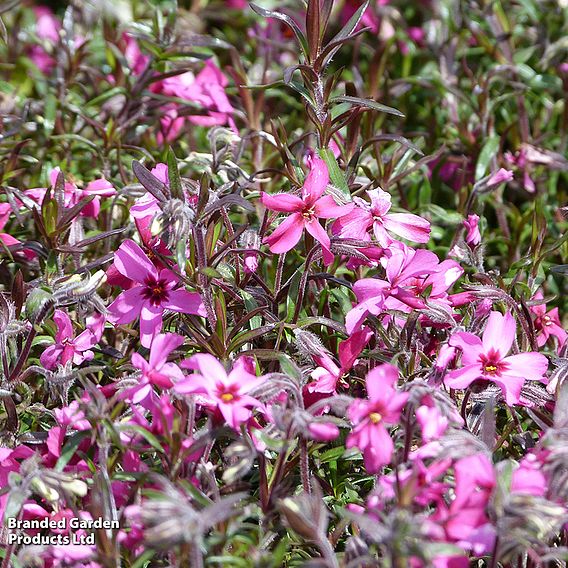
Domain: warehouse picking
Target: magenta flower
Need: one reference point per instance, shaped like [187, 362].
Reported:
[486, 359]
[500, 176]
[410, 275]
[466, 521]
[432, 423]
[72, 194]
[305, 212]
[473, 236]
[546, 323]
[328, 374]
[155, 292]
[528, 477]
[67, 347]
[156, 371]
[7, 239]
[137, 61]
[226, 392]
[207, 89]
[376, 215]
[369, 417]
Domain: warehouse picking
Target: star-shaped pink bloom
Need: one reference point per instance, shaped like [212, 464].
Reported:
[547, 323]
[227, 392]
[369, 417]
[328, 374]
[305, 212]
[99, 188]
[486, 359]
[154, 291]
[376, 215]
[70, 348]
[156, 371]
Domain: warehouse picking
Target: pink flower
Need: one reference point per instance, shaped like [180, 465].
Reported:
[305, 212]
[47, 25]
[226, 392]
[547, 323]
[155, 292]
[70, 348]
[376, 215]
[207, 89]
[520, 159]
[528, 478]
[369, 417]
[156, 371]
[473, 236]
[486, 359]
[72, 416]
[9, 464]
[432, 423]
[500, 176]
[466, 520]
[73, 194]
[136, 59]
[7, 239]
[328, 374]
[410, 274]
[323, 431]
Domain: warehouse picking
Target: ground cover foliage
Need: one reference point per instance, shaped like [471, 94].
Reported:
[283, 284]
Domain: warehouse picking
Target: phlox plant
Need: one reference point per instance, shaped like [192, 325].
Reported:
[283, 284]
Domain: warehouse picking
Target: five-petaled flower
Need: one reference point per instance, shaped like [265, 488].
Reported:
[157, 370]
[369, 417]
[376, 215]
[70, 348]
[305, 212]
[156, 291]
[486, 359]
[547, 323]
[227, 392]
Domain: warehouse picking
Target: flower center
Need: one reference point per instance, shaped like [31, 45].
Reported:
[156, 291]
[491, 363]
[308, 214]
[375, 417]
[227, 397]
[546, 320]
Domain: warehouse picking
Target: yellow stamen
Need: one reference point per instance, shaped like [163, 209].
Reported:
[227, 397]
[375, 417]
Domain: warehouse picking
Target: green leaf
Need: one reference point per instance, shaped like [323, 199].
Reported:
[173, 175]
[150, 438]
[288, 21]
[335, 174]
[70, 448]
[366, 103]
[50, 110]
[488, 151]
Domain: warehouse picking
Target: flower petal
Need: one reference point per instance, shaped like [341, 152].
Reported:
[499, 333]
[162, 345]
[469, 344]
[326, 208]
[287, 235]
[150, 323]
[462, 378]
[284, 202]
[126, 307]
[316, 181]
[185, 302]
[530, 366]
[408, 226]
[132, 262]
[320, 234]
